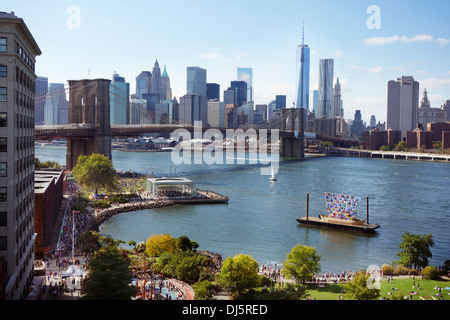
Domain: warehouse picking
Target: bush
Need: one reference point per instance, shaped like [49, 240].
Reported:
[401, 270]
[430, 273]
[100, 204]
[203, 290]
[387, 269]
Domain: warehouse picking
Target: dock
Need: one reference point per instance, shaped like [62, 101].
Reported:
[317, 221]
[366, 228]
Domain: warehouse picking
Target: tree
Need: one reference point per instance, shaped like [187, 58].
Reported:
[185, 244]
[358, 288]
[89, 242]
[415, 250]
[239, 274]
[301, 263]
[95, 172]
[158, 244]
[109, 276]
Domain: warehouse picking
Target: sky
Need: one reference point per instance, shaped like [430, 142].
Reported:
[371, 43]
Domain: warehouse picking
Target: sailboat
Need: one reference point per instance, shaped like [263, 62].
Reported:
[272, 177]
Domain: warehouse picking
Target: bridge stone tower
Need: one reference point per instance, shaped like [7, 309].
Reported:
[292, 132]
[89, 104]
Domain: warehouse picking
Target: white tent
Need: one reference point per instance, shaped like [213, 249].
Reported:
[72, 271]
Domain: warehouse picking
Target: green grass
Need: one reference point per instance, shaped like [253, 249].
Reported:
[403, 286]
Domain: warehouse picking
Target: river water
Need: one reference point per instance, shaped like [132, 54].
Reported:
[260, 218]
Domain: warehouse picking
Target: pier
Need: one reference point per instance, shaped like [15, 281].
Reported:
[319, 222]
[365, 228]
[400, 155]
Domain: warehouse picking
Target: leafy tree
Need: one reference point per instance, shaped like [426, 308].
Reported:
[358, 289]
[239, 274]
[401, 146]
[415, 250]
[89, 242]
[203, 290]
[301, 263]
[158, 244]
[430, 273]
[185, 244]
[109, 276]
[47, 164]
[95, 172]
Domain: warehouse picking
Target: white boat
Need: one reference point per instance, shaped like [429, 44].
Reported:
[272, 178]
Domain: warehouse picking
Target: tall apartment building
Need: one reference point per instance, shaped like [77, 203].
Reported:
[402, 104]
[325, 102]
[18, 51]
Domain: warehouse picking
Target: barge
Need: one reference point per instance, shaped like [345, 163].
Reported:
[342, 215]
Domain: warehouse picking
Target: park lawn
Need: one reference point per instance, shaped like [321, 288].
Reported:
[402, 284]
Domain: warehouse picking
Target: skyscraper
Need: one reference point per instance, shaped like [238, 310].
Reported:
[246, 74]
[402, 104]
[154, 83]
[241, 91]
[213, 91]
[41, 92]
[338, 112]
[56, 105]
[325, 103]
[119, 104]
[302, 75]
[196, 80]
[18, 51]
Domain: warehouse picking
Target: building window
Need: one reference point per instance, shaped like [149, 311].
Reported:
[3, 197]
[3, 119]
[3, 219]
[3, 144]
[3, 95]
[2, 44]
[3, 244]
[3, 70]
[3, 169]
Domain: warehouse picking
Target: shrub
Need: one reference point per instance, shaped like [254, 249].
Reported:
[430, 273]
[203, 290]
[387, 269]
[401, 270]
[100, 204]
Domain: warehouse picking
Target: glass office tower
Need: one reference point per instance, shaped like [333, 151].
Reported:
[302, 77]
[246, 74]
[196, 80]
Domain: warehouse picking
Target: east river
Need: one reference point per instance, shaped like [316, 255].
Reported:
[260, 218]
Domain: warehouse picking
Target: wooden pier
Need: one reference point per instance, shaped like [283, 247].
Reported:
[366, 228]
[316, 221]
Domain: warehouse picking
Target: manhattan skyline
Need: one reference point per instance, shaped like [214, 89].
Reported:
[413, 40]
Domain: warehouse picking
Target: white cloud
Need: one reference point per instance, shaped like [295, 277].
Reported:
[421, 72]
[396, 68]
[391, 39]
[434, 83]
[376, 69]
[442, 41]
[354, 66]
[338, 53]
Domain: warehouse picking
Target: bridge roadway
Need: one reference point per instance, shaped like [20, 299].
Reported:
[86, 131]
[83, 130]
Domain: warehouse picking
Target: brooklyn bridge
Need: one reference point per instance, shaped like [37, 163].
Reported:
[89, 129]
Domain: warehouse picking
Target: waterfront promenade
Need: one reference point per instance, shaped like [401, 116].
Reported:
[397, 155]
